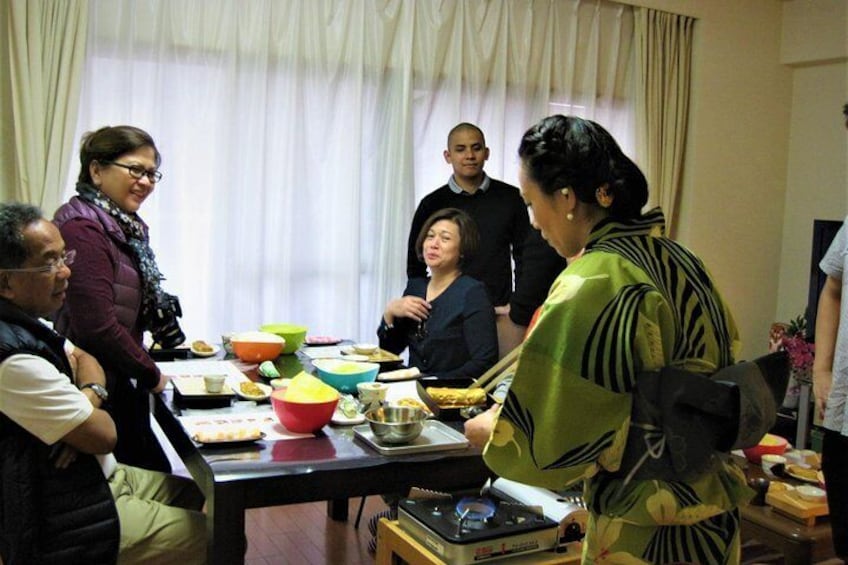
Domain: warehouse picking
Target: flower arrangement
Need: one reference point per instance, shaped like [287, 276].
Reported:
[792, 338]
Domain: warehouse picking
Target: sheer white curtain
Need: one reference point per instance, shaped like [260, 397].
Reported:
[298, 136]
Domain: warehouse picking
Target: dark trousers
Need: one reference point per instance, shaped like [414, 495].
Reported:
[835, 468]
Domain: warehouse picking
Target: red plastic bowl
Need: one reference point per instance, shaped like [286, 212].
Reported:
[769, 444]
[302, 417]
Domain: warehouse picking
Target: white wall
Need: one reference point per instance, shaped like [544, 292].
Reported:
[735, 167]
[815, 45]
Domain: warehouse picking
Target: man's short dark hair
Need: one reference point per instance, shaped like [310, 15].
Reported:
[464, 126]
[14, 218]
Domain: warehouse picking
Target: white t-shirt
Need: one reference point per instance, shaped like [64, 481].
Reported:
[43, 401]
[834, 264]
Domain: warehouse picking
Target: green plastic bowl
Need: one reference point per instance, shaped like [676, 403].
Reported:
[293, 334]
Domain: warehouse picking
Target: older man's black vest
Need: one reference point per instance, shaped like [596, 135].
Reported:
[48, 515]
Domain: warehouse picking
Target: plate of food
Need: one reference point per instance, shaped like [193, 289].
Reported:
[200, 348]
[347, 412]
[227, 436]
[376, 356]
[806, 474]
[249, 390]
[322, 340]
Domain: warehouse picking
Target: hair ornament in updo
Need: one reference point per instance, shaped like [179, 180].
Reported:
[604, 197]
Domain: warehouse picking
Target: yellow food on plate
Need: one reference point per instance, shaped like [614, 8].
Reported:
[456, 397]
[213, 435]
[803, 473]
[201, 346]
[777, 486]
[412, 402]
[249, 388]
[306, 388]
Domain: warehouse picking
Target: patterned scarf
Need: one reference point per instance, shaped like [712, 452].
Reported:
[139, 242]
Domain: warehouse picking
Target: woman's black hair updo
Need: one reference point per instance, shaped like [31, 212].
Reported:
[566, 151]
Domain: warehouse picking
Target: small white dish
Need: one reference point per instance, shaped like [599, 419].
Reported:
[279, 383]
[348, 354]
[811, 493]
[365, 348]
[340, 419]
[198, 353]
[266, 392]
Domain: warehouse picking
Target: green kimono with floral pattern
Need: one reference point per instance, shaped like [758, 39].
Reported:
[635, 301]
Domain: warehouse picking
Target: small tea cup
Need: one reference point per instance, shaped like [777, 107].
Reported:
[214, 383]
[372, 393]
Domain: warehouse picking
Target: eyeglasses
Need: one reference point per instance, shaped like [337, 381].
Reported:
[137, 171]
[66, 259]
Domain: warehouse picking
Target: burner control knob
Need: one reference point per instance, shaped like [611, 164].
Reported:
[572, 533]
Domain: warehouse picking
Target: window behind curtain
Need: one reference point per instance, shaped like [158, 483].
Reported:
[298, 137]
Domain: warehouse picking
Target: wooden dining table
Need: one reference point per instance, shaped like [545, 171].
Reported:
[334, 465]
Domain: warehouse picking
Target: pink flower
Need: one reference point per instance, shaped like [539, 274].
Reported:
[800, 352]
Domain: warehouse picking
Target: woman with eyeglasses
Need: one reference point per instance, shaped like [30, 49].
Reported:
[446, 320]
[114, 294]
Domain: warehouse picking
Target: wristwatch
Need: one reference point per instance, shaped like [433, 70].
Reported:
[98, 389]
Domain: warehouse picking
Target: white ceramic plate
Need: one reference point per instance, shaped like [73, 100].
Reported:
[266, 392]
[340, 419]
[348, 354]
[196, 353]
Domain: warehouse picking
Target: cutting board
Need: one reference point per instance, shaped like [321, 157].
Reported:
[796, 508]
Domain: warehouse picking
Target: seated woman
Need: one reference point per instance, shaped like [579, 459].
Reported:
[447, 320]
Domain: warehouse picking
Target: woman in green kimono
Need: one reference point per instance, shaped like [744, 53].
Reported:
[634, 302]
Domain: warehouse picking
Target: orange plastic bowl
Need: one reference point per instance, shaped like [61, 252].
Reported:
[302, 417]
[255, 347]
[769, 444]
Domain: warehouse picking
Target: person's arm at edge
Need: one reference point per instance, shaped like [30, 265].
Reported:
[520, 233]
[87, 370]
[827, 325]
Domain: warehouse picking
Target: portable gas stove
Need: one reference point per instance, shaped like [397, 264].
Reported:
[471, 529]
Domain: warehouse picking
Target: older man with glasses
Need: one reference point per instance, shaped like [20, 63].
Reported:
[64, 497]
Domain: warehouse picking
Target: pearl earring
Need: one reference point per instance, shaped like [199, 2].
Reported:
[564, 191]
[569, 216]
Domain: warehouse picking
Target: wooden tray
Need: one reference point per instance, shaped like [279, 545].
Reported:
[796, 508]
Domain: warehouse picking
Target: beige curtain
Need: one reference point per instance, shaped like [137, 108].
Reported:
[664, 62]
[46, 49]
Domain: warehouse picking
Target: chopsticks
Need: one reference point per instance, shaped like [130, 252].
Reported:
[499, 371]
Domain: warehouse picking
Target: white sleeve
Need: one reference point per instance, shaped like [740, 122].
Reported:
[40, 399]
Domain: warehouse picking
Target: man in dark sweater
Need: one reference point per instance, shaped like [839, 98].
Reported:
[497, 208]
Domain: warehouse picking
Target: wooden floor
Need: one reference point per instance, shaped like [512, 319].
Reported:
[302, 533]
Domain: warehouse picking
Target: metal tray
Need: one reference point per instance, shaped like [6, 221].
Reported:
[436, 436]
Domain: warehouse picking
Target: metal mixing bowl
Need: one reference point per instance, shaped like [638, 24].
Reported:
[396, 424]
